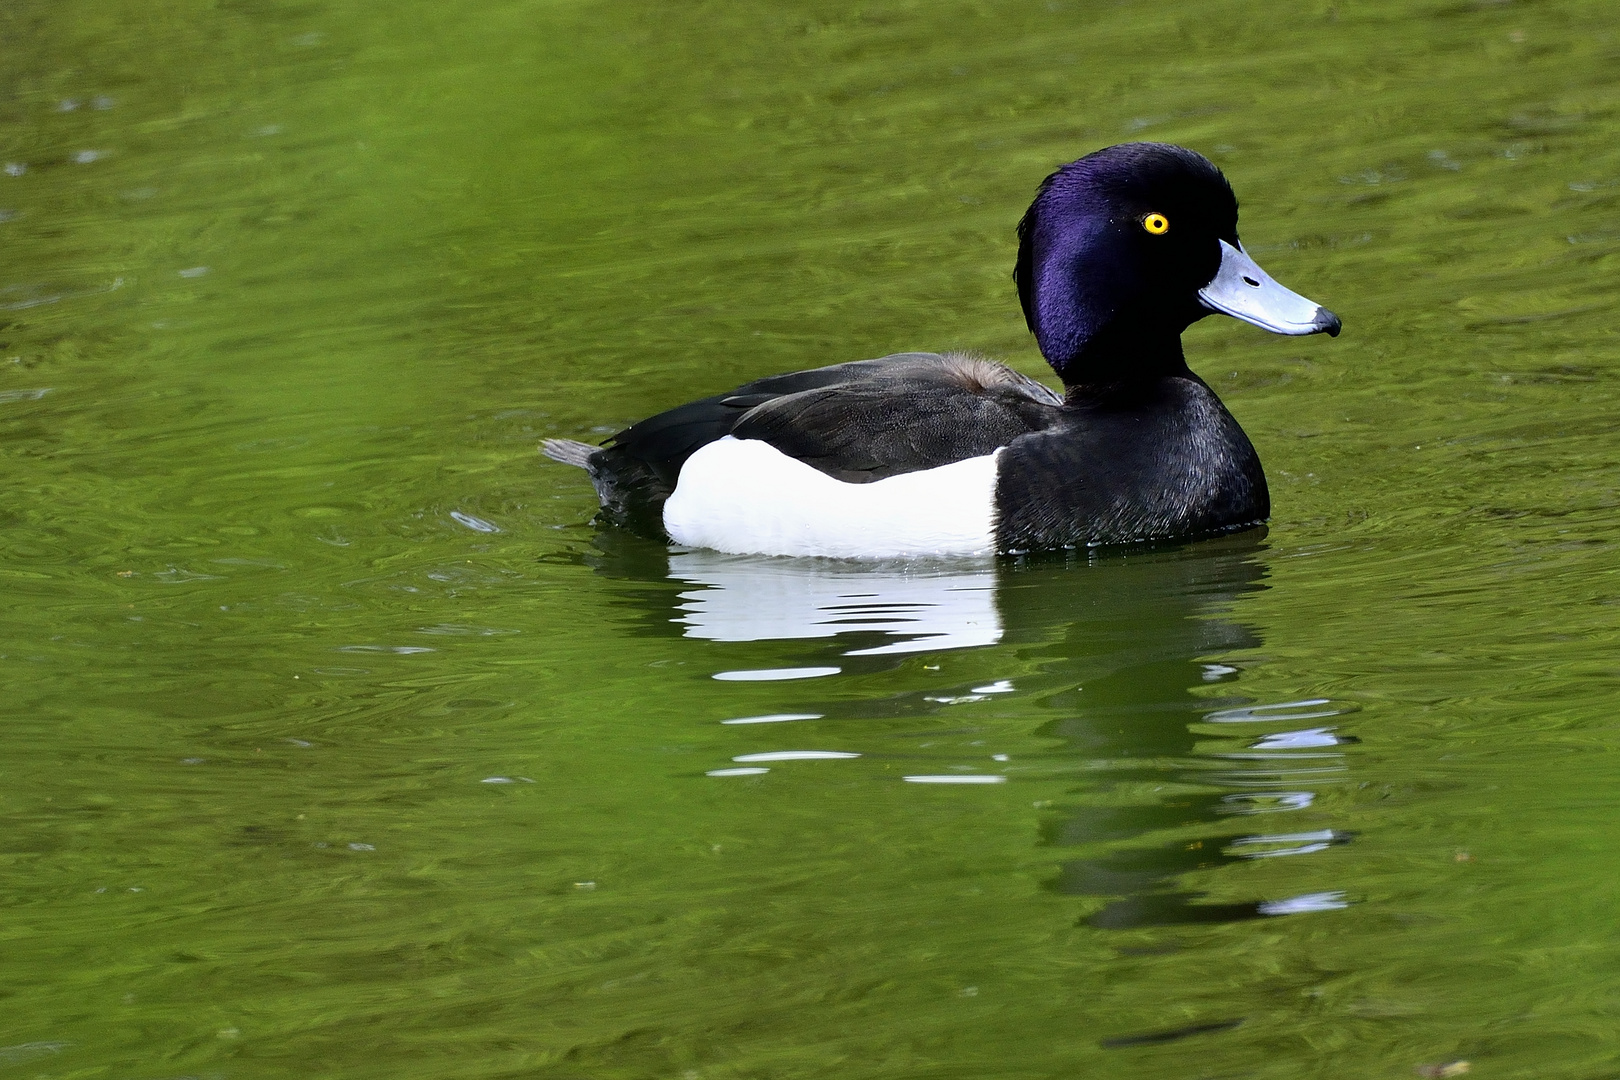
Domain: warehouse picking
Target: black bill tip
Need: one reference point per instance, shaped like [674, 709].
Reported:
[1326, 323]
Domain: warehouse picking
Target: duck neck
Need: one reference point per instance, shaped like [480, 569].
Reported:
[1112, 359]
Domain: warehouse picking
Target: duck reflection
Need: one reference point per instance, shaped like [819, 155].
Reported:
[1120, 650]
[1133, 657]
[924, 608]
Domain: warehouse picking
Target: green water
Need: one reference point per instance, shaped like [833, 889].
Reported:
[307, 771]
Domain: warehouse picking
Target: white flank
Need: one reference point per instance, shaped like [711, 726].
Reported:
[746, 497]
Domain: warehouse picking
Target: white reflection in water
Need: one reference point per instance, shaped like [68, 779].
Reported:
[797, 755]
[476, 524]
[1303, 849]
[1299, 905]
[747, 598]
[775, 674]
[1304, 843]
[1296, 740]
[773, 718]
[1309, 709]
[959, 778]
[1266, 802]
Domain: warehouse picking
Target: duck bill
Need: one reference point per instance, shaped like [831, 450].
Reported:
[1244, 291]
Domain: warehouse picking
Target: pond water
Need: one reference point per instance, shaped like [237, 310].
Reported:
[338, 742]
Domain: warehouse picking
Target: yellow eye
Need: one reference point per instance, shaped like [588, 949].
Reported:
[1157, 224]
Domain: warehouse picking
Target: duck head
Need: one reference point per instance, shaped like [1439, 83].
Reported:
[1124, 249]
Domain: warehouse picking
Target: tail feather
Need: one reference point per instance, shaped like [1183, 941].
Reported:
[569, 452]
[630, 490]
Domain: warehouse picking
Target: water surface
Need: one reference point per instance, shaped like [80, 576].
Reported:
[338, 742]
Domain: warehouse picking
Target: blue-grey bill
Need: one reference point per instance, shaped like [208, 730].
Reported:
[1244, 291]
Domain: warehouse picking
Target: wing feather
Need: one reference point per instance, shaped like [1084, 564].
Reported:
[857, 422]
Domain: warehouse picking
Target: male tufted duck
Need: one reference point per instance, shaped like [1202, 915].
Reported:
[922, 454]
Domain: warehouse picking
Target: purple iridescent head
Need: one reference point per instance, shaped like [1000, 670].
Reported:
[1124, 249]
